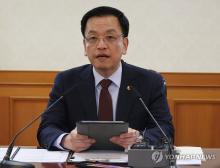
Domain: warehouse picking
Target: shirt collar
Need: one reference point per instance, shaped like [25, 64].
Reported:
[115, 77]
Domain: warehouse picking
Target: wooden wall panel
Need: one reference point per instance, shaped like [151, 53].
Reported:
[23, 94]
[22, 111]
[4, 120]
[194, 100]
[197, 122]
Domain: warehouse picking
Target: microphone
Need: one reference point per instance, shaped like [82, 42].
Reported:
[172, 162]
[6, 162]
[131, 88]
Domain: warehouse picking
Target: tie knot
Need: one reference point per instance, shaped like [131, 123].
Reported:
[105, 83]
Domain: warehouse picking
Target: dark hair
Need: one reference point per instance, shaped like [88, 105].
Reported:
[105, 11]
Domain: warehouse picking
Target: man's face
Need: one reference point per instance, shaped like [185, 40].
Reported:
[104, 44]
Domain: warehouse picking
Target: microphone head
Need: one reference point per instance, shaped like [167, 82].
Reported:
[129, 88]
[132, 88]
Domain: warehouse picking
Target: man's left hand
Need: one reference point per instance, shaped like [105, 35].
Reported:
[126, 139]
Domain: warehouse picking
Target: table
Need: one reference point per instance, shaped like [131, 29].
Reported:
[213, 163]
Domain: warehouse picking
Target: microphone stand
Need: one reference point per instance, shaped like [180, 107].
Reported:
[172, 161]
[6, 162]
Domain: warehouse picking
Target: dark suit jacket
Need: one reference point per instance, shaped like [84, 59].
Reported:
[80, 103]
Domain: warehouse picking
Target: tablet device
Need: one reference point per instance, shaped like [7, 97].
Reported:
[102, 131]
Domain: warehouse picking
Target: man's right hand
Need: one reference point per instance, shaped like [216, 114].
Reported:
[76, 142]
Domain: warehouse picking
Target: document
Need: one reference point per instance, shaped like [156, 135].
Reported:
[41, 155]
[36, 155]
[189, 155]
[107, 156]
[4, 150]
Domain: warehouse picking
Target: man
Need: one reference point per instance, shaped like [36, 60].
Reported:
[105, 32]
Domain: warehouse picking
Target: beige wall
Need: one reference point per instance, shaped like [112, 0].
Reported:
[165, 35]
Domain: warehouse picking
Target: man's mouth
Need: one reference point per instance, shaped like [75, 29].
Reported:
[102, 56]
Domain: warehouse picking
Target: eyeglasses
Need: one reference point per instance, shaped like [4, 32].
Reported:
[108, 39]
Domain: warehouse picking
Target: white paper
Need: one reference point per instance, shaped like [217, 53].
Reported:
[189, 155]
[101, 156]
[43, 155]
[4, 150]
[40, 155]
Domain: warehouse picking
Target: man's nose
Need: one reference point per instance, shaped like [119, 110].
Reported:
[101, 43]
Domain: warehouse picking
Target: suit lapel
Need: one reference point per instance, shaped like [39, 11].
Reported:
[125, 98]
[87, 94]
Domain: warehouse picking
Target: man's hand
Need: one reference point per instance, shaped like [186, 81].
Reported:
[126, 139]
[76, 142]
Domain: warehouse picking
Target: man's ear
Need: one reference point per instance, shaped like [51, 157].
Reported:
[84, 44]
[125, 45]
